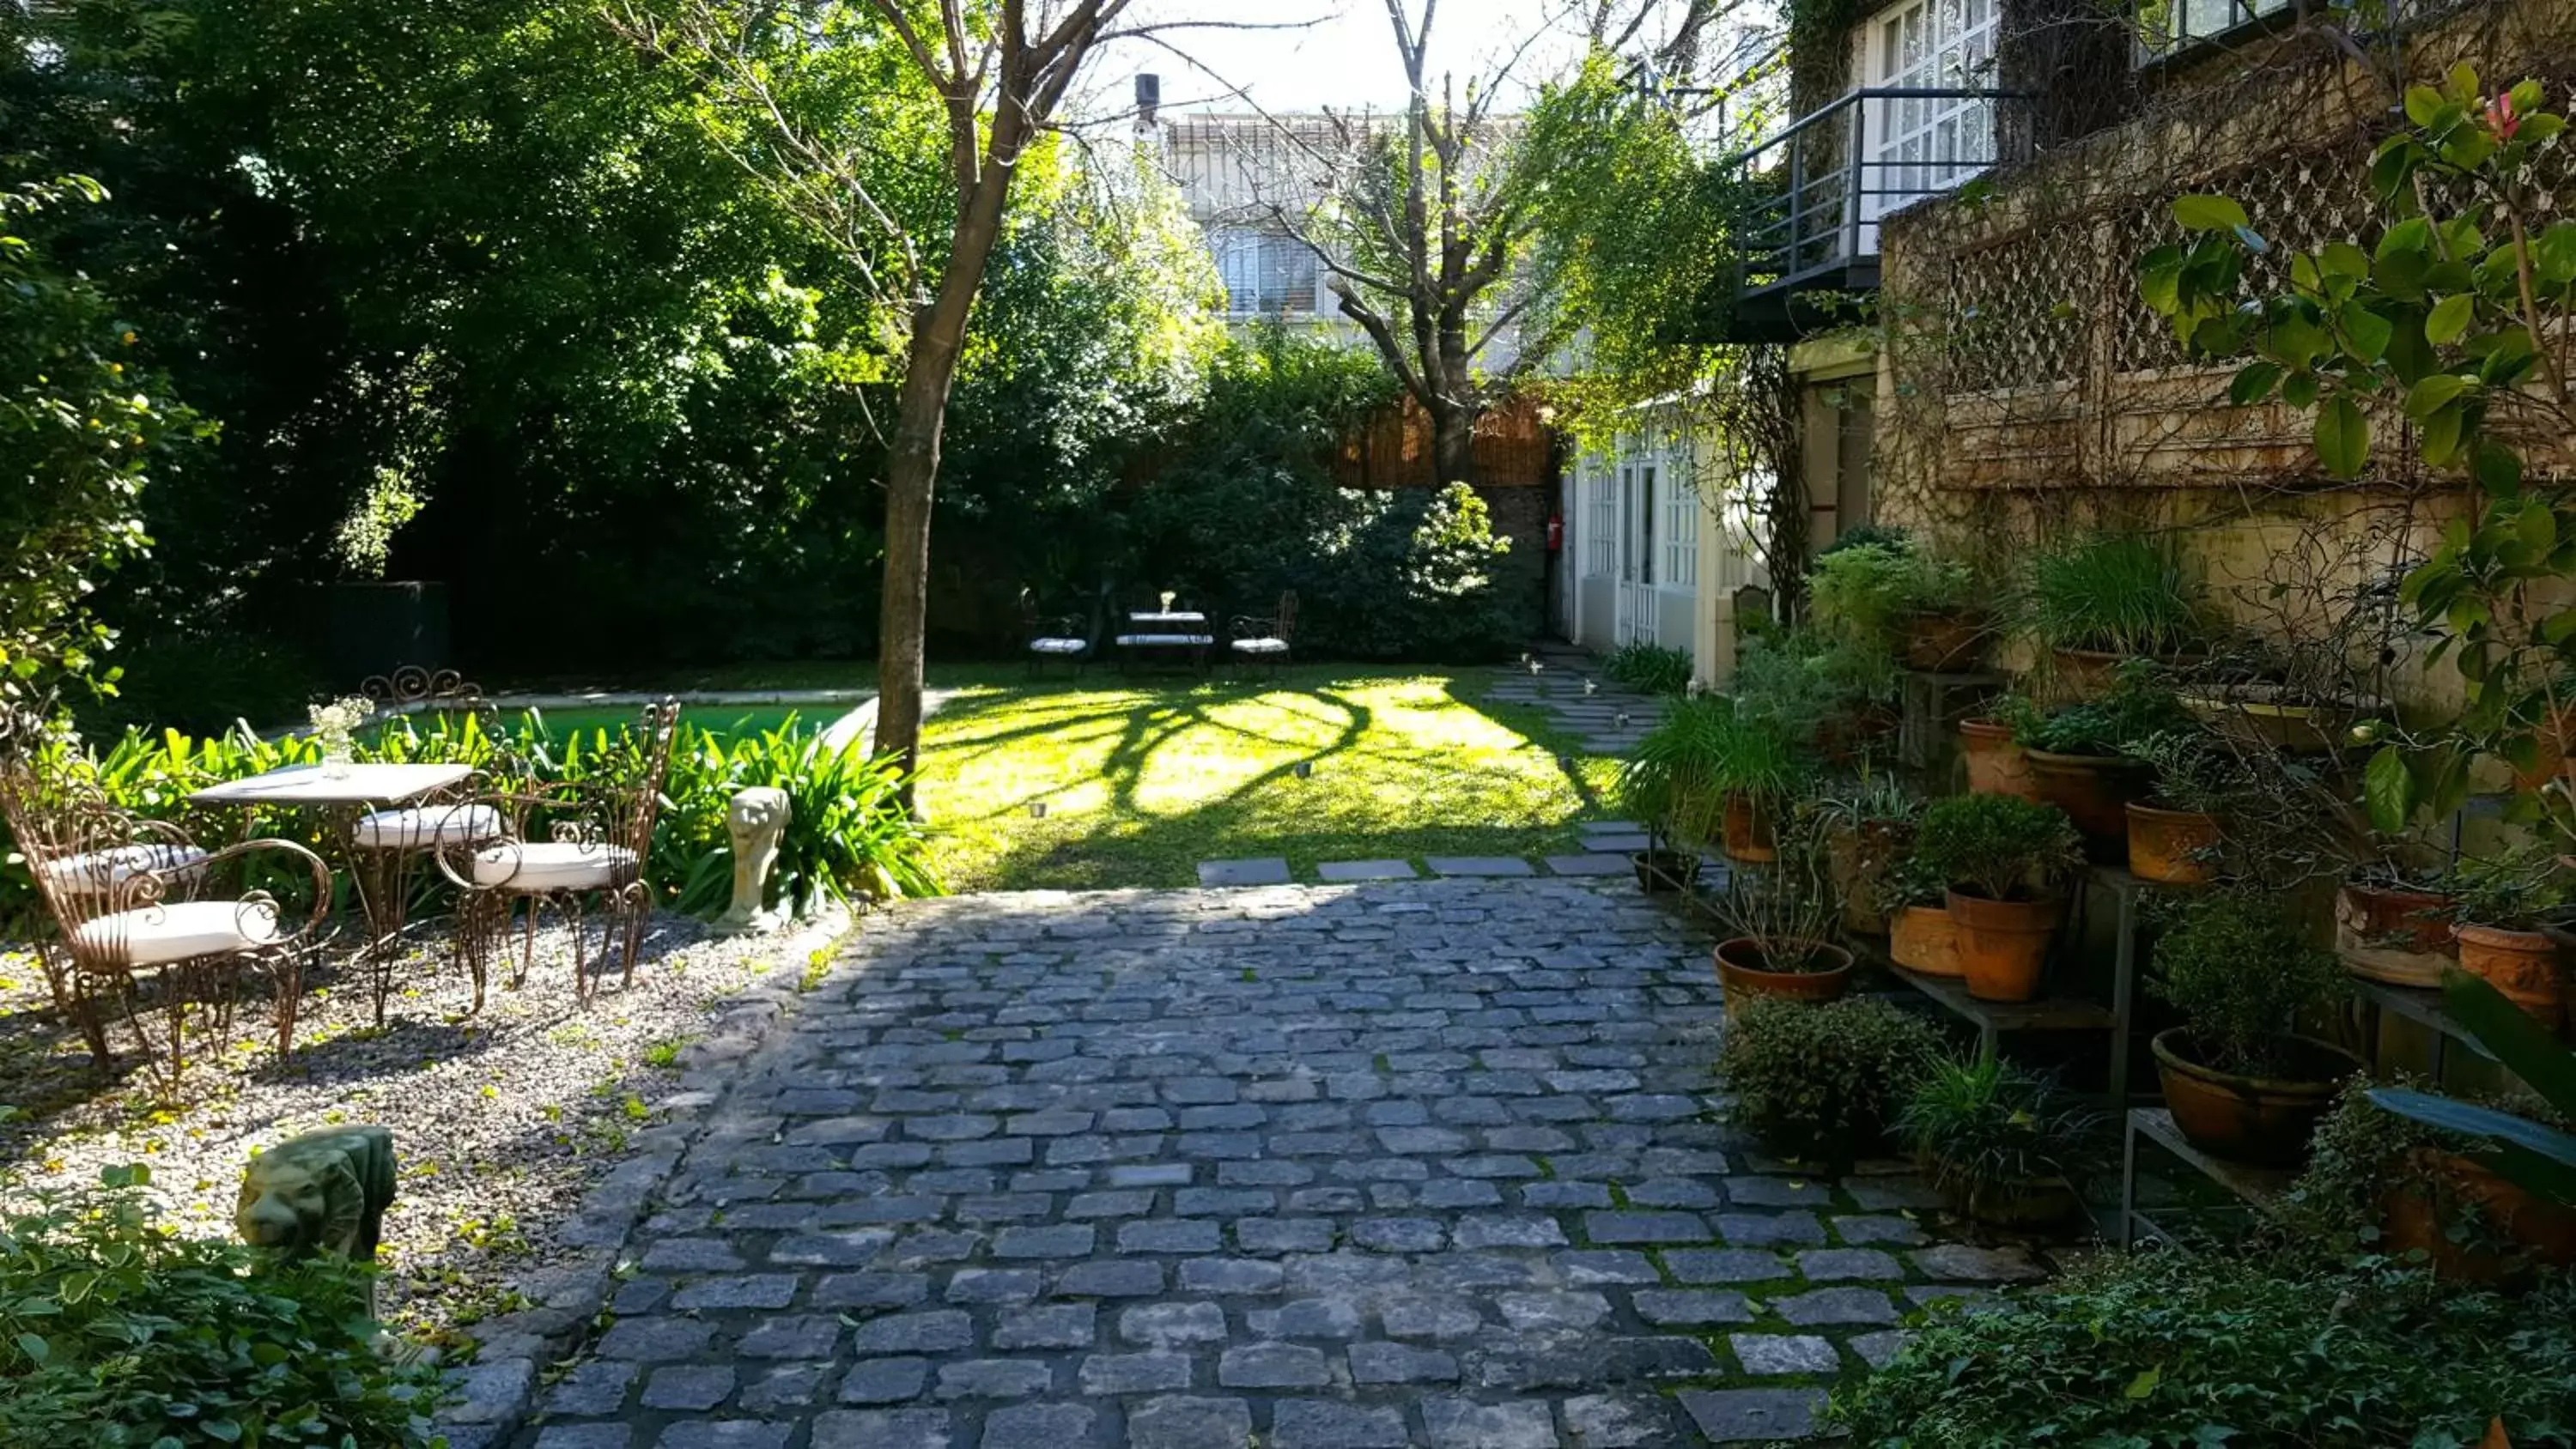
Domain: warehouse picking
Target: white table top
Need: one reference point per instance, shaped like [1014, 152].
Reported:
[1184, 616]
[358, 784]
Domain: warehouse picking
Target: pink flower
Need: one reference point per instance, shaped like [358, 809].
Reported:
[2501, 120]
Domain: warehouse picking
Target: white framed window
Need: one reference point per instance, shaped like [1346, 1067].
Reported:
[1646, 510]
[1603, 544]
[1919, 145]
[1264, 272]
[1681, 534]
[2170, 25]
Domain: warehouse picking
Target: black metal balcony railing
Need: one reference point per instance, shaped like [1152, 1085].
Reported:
[1817, 190]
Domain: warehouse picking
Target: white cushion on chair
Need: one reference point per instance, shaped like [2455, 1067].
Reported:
[1165, 641]
[551, 865]
[157, 935]
[1260, 646]
[1058, 646]
[93, 872]
[425, 825]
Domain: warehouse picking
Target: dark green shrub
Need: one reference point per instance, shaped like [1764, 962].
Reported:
[2244, 976]
[1822, 1080]
[2176, 1350]
[1988, 1124]
[2114, 593]
[204, 684]
[2362, 1152]
[2003, 846]
[1649, 668]
[115, 1334]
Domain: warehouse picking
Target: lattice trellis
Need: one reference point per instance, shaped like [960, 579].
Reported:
[2019, 310]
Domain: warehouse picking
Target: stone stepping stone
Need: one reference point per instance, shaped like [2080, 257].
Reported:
[1624, 841]
[1267, 870]
[1753, 1416]
[1610, 827]
[1589, 864]
[1478, 865]
[1338, 871]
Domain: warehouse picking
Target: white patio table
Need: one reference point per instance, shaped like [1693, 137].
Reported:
[1181, 632]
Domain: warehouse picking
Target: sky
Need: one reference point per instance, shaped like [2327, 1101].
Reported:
[1344, 58]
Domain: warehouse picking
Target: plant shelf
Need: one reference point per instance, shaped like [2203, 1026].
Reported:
[2259, 1188]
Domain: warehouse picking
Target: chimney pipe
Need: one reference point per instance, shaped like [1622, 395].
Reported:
[1149, 98]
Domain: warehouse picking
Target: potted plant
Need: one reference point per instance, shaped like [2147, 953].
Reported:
[2004, 862]
[2005, 1144]
[1778, 926]
[1996, 764]
[1819, 695]
[1825, 1080]
[1943, 629]
[2379, 1182]
[1867, 833]
[2499, 905]
[2240, 1079]
[2391, 926]
[1662, 871]
[1920, 935]
[2107, 597]
[1895, 598]
[1672, 780]
[2174, 833]
[2079, 756]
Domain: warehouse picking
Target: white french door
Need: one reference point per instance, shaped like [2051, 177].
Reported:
[1919, 145]
[1639, 506]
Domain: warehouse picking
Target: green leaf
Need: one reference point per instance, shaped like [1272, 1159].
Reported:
[2553, 254]
[2423, 103]
[35, 1348]
[2300, 390]
[2343, 259]
[2450, 319]
[2367, 331]
[2388, 789]
[223, 1429]
[2342, 436]
[2254, 382]
[2434, 393]
[2145, 1383]
[2527, 1049]
[2499, 470]
[2440, 436]
[2208, 213]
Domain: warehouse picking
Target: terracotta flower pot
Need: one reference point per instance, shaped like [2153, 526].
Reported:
[1858, 858]
[2166, 845]
[2082, 674]
[1661, 872]
[1922, 940]
[1844, 738]
[2447, 1187]
[1943, 643]
[2003, 945]
[2249, 1119]
[2263, 716]
[1996, 766]
[2094, 791]
[2524, 965]
[2401, 937]
[1742, 970]
[1749, 837]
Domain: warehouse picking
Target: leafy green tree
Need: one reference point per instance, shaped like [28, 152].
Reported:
[82, 429]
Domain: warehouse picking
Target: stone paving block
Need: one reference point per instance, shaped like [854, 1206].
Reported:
[1134, 1373]
[1618, 1421]
[694, 1388]
[724, 1434]
[1753, 1416]
[1878, 1349]
[1478, 865]
[585, 1436]
[1345, 871]
[1273, 1366]
[1617, 841]
[1772, 1354]
[1837, 1305]
[1263, 871]
[1844, 1265]
[1180, 1422]
[1691, 1306]
[1964, 1263]
[1883, 1231]
[1599, 863]
[1637, 1227]
[1759, 1230]
[1399, 1363]
[885, 1381]
[596, 1387]
[1465, 1424]
[882, 1429]
[993, 1378]
[1039, 1426]
[1325, 1424]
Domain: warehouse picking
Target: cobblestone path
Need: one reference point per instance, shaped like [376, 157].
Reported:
[1428, 1163]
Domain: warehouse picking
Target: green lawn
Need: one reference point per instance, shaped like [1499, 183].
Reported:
[1144, 779]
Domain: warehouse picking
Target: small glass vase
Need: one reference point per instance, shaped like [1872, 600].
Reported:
[337, 756]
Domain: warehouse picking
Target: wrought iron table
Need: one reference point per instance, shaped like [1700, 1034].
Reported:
[1181, 632]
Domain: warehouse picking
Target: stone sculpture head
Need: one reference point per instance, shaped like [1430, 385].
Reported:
[324, 1191]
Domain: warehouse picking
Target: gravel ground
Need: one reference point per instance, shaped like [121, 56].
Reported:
[500, 1119]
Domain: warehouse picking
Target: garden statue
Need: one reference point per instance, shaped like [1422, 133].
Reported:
[326, 1190]
[757, 820]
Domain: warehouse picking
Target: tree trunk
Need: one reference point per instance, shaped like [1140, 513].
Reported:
[912, 473]
[1453, 444]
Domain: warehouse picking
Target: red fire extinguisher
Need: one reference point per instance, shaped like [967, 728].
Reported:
[1556, 533]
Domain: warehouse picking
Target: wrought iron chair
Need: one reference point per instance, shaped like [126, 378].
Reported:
[387, 847]
[1057, 638]
[1257, 641]
[566, 845]
[131, 897]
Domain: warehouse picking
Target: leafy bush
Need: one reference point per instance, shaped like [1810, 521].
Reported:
[1649, 668]
[1822, 1080]
[2362, 1152]
[204, 684]
[116, 1333]
[1990, 1124]
[2244, 976]
[2116, 593]
[1702, 751]
[2164, 1350]
[1803, 684]
[2004, 847]
[2139, 706]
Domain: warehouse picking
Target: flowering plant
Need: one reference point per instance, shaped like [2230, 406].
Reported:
[335, 723]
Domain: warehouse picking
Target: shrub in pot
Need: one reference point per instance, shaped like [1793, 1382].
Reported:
[2079, 755]
[1778, 929]
[2005, 1144]
[1822, 1080]
[1897, 598]
[2379, 1182]
[1995, 764]
[1824, 697]
[2240, 1079]
[2105, 597]
[2499, 905]
[2174, 832]
[2004, 862]
[1672, 781]
[2389, 927]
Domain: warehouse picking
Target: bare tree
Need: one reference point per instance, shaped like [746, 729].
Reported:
[999, 70]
